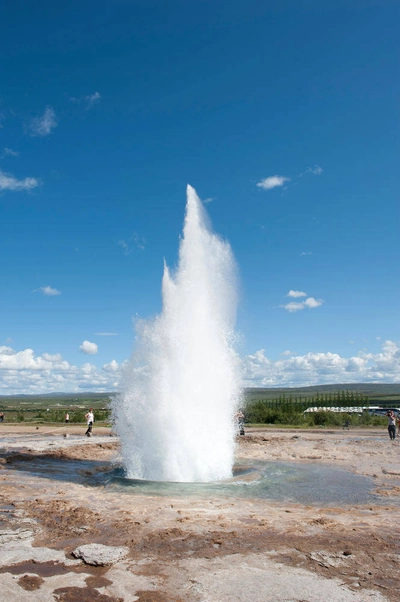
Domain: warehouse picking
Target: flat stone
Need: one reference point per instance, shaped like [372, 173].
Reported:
[98, 554]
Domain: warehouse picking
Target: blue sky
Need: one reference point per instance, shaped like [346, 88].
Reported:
[284, 118]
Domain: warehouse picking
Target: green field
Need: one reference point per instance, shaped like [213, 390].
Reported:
[52, 407]
[262, 405]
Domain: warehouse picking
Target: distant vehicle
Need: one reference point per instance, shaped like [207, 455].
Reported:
[379, 411]
[337, 409]
[372, 410]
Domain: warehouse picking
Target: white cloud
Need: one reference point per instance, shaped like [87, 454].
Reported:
[288, 352]
[48, 290]
[89, 348]
[320, 368]
[316, 170]
[106, 334]
[42, 126]
[111, 367]
[8, 182]
[293, 306]
[5, 350]
[52, 357]
[305, 253]
[296, 294]
[90, 100]
[138, 241]
[124, 246]
[26, 360]
[9, 152]
[88, 370]
[272, 182]
[310, 302]
[134, 241]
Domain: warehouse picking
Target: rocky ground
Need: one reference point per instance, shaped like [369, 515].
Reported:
[55, 504]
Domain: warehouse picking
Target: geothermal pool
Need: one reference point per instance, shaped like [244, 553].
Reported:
[274, 481]
[301, 483]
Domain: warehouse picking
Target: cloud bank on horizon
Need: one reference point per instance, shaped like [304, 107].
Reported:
[27, 373]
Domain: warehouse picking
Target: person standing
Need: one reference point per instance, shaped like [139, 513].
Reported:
[66, 418]
[391, 424]
[398, 423]
[89, 419]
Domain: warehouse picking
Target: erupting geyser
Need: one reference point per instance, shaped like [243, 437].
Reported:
[179, 392]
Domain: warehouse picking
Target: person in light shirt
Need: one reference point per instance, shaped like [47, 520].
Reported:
[89, 419]
[391, 424]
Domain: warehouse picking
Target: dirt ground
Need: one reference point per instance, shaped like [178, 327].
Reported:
[207, 548]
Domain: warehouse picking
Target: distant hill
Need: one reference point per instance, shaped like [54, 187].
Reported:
[55, 399]
[59, 394]
[376, 392]
[366, 388]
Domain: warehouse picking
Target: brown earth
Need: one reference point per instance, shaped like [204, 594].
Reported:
[201, 549]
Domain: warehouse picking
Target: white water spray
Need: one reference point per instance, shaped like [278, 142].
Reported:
[180, 390]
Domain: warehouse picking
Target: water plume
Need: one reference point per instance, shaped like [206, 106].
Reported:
[179, 392]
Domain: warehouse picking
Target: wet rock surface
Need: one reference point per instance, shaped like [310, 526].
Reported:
[195, 548]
